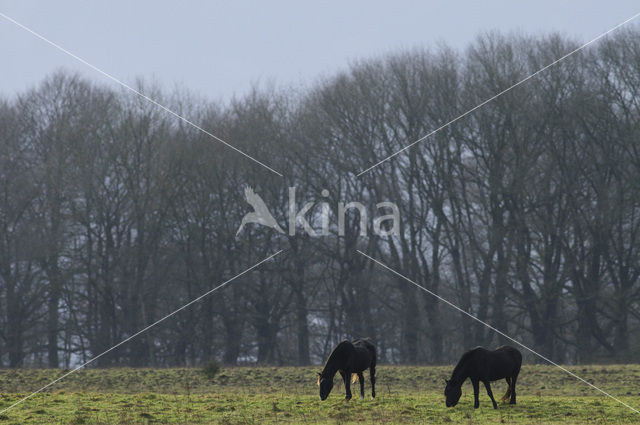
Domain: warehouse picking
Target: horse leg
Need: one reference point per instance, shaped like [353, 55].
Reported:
[514, 378]
[488, 387]
[361, 379]
[372, 374]
[476, 391]
[508, 393]
[347, 384]
[344, 378]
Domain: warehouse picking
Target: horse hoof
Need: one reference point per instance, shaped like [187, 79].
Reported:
[361, 397]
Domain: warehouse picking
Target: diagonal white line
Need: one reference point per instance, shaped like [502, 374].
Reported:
[140, 332]
[126, 86]
[499, 94]
[497, 331]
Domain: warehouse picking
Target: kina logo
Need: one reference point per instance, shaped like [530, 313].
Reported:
[382, 225]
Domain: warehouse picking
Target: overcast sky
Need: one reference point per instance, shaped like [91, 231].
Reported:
[217, 48]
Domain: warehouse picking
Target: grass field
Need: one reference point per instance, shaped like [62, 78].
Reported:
[287, 395]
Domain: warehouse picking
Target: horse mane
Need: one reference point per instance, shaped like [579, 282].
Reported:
[336, 352]
[463, 361]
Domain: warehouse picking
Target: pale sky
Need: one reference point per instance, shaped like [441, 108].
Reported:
[217, 49]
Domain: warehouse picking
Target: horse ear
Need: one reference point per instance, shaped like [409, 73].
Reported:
[446, 381]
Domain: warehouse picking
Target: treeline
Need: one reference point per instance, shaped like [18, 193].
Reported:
[525, 213]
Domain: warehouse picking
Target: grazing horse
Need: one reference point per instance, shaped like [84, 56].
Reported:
[350, 359]
[482, 365]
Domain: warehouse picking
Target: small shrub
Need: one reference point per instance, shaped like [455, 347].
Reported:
[211, 369]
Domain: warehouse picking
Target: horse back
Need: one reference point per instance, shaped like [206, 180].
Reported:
[504, 362]
[364, 355]
[510, 354]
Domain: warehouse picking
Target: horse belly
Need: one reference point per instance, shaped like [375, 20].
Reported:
[360, 364]
[501, 372]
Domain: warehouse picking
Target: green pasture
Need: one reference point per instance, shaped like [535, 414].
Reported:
[288, 395]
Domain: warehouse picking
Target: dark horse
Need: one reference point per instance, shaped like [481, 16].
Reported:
[482, 365]
[349, 358]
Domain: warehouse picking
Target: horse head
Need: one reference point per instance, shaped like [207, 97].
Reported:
[326, 384]
[452, 392]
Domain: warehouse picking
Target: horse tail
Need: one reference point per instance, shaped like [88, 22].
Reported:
[354, 378]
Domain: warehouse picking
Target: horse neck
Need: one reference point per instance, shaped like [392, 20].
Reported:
[330, 369]
[335, 362]
[460, 373]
